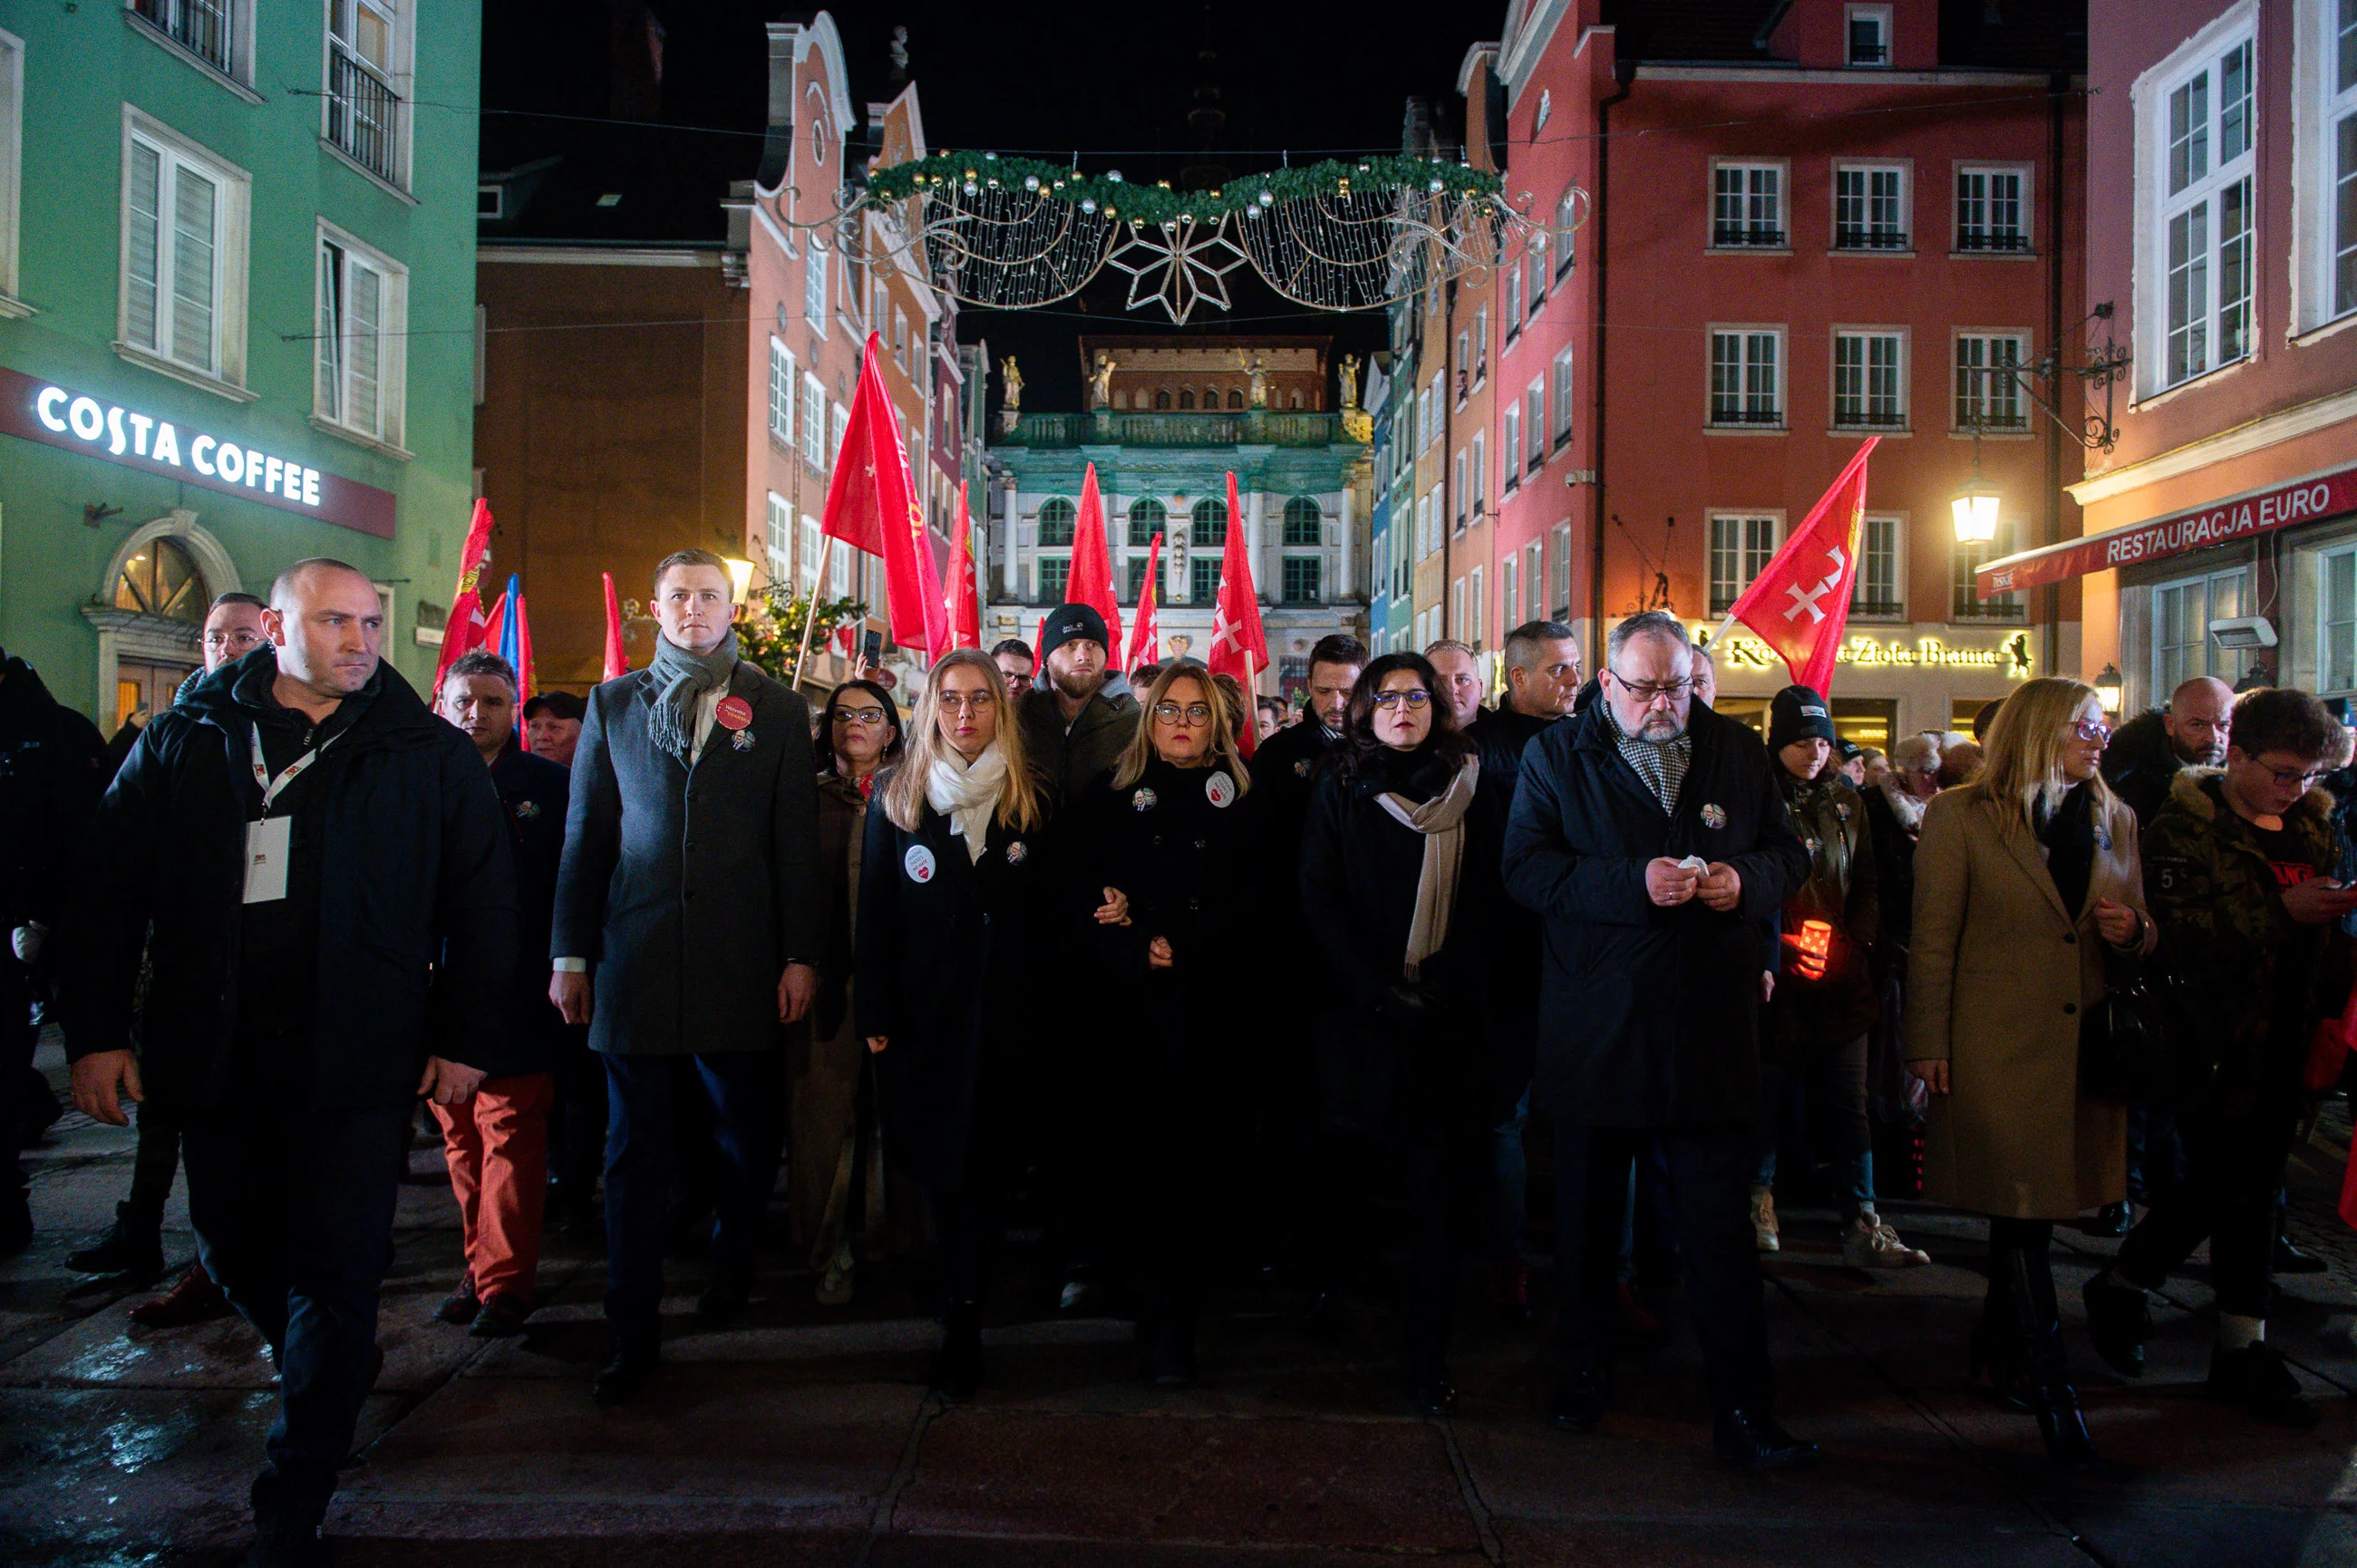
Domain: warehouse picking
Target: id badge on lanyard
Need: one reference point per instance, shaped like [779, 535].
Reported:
[269, 842]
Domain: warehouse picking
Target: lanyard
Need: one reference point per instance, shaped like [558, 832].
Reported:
[272, 788]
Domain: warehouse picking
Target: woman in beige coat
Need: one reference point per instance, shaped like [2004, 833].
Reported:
[2023, 879]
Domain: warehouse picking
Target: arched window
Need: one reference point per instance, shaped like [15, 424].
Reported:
[1210, 522]
[1293, 401]
[1211, 397]
[1301, 521]
[161, 580]
[1185, 397]
[1235, 399]
[1056, 515]
[1120, 398]
[1147, 517]
[1161, 401]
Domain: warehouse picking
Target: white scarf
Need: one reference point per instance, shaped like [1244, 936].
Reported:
[967, 794]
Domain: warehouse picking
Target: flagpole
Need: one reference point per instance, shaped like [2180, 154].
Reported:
[810, 616]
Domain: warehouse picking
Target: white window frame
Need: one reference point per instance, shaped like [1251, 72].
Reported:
[1534, 453]
[393, 342]
[12, 172]
[901, 338]
[1869, 342]
[2323, 190]
[1514, 319]
[1454, 625]
[2027, 227]
[1567, 224]
[1459, 497]
[1895, 523]
[811, 548]
[236, 70]
[399, 79]
[1510, 592]
[1477, 608]
[813, 421]
[1746, 202]
[2221, 662]
[232, 220]
[1509, 447]
[2198, 213]
[1480, 478]
[838, 421]
[1965, 559]
[1565, 391]
[1737, 552]
[1881, 16]
[1996, 395]
[1534, 579]
[782, 374]
[815, 265]
[1746, 362]
[2322, 562]
[1559, 580]
[1901, 233]
[778, 537]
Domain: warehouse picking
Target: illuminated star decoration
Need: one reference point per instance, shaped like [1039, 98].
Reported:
[1172, 265]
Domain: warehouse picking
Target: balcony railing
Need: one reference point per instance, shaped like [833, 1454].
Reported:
[1870, 418]
[1998, 240]
[361, 114]
[1730, 415]
[1967, 608]
[1849, 237]
[1756, 235]
[200, 26]
[1115, 428]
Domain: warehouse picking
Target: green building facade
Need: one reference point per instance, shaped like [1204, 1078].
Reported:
[237, 320]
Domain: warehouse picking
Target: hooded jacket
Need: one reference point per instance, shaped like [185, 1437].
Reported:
[415, 941]
[2247, 981]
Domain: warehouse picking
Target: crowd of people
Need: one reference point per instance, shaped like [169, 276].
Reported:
[1012, 950]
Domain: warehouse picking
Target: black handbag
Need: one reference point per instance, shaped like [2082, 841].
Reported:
[2123, 1039]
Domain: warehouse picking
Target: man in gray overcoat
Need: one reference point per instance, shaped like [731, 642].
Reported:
[688, 924]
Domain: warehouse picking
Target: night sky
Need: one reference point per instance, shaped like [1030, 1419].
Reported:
[1306, 79]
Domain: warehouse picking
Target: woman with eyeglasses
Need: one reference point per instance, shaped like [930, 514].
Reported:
[945, 982]
[1174, 826]
[2028, 896]
[837, 1186]
[1400, 887]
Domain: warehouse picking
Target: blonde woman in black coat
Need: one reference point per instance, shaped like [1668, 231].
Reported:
[1174, 827]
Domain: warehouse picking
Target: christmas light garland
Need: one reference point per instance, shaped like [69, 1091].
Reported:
[970, 174]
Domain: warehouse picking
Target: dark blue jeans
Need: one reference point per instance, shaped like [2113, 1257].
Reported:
[747, 1091]
[293, 1215]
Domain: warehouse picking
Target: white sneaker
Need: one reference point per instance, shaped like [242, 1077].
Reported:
[834, 1282]
[1868, 1244]
[1763, 1220]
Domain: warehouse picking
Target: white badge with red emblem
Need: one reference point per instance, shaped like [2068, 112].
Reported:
[1221, 788]
[919, 864]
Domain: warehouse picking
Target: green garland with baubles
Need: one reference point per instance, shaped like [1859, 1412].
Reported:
[970, 174]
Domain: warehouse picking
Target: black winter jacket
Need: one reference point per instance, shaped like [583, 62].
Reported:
[1647, 1017]
[533, 794]
[50, 779]
[416, 939]
[2140, 765]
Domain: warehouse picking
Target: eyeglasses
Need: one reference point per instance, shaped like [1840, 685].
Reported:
[2093, 732]
[2286, 777]
[1647, 691]
[1193, 712]
[240, 638]
[1414, 699]
[870, 716]
[967, 702]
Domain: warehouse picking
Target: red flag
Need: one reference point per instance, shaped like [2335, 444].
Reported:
[526, 680]
[495, 624]
[1144, 634]
[965, 601]
[618, 660]
[1799, 604]
[462, 630]
[1239, 646]
[871, 505]
[1091, 582]
[847, 637]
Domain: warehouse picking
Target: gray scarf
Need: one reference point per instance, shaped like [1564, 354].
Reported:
[680, 680]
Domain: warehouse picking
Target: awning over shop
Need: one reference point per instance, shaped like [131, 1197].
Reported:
[2245, 516]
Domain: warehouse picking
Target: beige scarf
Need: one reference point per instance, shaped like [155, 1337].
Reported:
[1441, 821]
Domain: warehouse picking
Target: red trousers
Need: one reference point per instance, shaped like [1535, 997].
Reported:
[496, 1146]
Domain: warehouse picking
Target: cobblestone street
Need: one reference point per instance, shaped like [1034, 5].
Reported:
[807, 1435]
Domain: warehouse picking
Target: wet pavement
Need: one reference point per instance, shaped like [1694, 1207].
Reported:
[805, 1434]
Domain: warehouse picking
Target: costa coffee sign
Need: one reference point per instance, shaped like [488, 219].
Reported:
[116, 432]
[2244, 517]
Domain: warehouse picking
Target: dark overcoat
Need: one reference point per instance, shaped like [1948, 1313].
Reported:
[1647, 1017]
[688, 892]
[1382, 1071]
[533, 795]
[946, 968]
[417, 916]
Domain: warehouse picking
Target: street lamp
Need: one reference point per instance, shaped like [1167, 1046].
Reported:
[2110, 689]
[740, 576]
[1975, 509]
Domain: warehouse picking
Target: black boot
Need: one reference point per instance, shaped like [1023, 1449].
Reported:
[1751, 1440]
[2051, 1396]
[2119, 1321]
[132, 1245]
[1995, 1357]
[958, 1372]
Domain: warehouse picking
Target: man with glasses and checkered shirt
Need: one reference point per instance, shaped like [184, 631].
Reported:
[1648, 834]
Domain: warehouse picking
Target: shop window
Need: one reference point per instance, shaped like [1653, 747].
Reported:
[162, 580]
[2182, 610]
